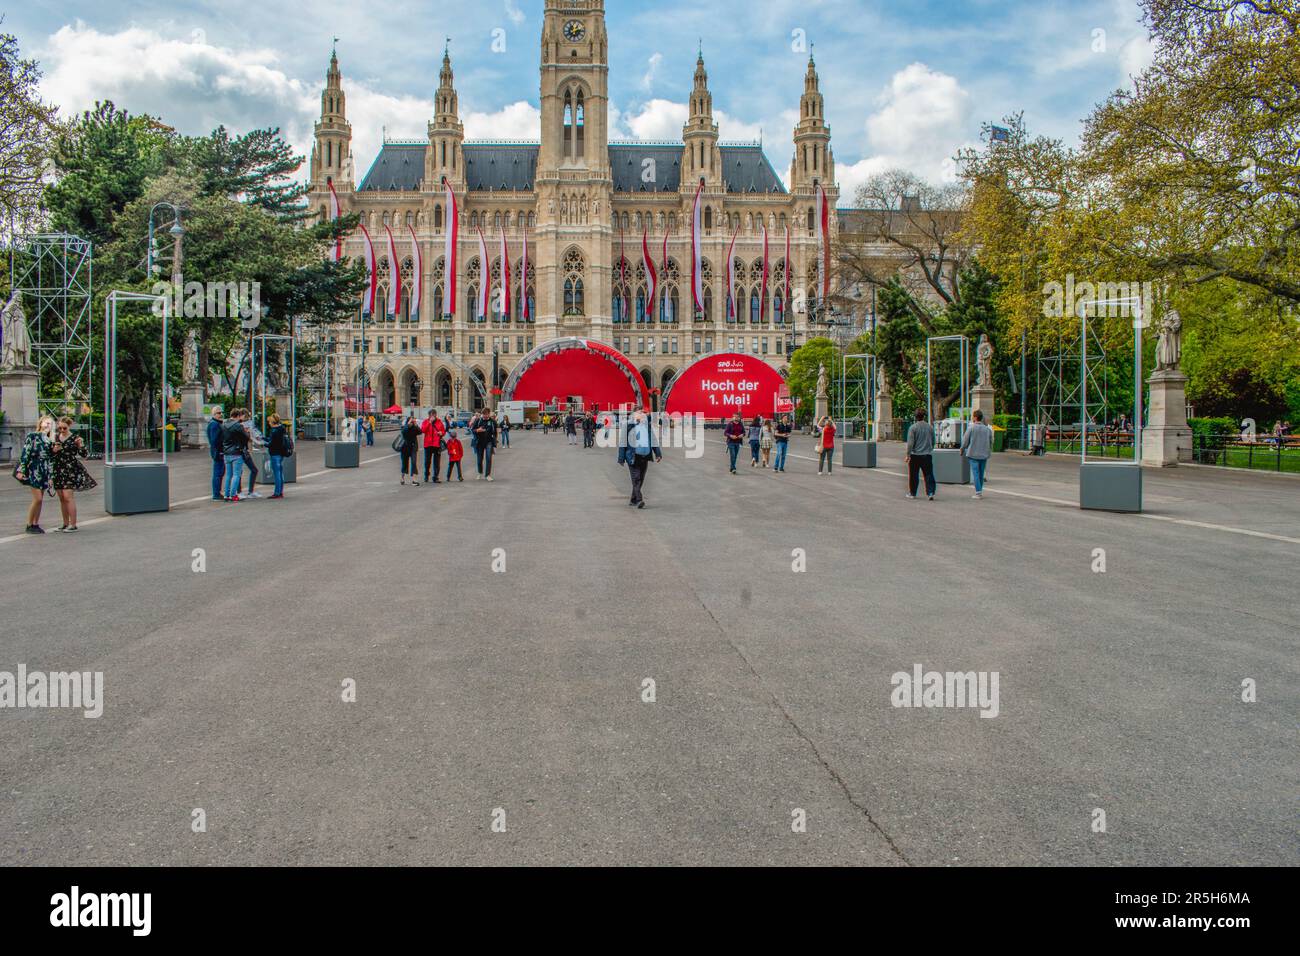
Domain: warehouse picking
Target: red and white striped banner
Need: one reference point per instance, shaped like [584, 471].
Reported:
[622, 271]
[824, 240]
[336, 213]
[394, 276]
[485, 278]
[372, 269]
[663, 264]
[785, 296]
[417, 274]
[697, 257]
[732, 309]
[523, 280]
[505, 277]
[651, 273]
[449, 253]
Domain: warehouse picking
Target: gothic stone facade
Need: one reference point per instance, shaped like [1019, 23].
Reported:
[582, 200]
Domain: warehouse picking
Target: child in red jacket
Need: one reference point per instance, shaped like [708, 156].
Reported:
[455, 452]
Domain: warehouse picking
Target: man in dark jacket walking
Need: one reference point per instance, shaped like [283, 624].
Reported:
[485, 443]
[638, 446]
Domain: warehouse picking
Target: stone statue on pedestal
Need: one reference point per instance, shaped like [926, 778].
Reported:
[984, 362]
[882, 384]
[1169, 347]
[190, 358]
[821, 382]
[349, 429]
[17, 341]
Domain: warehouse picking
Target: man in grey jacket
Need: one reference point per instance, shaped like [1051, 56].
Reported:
[920, 455]
[976, 445]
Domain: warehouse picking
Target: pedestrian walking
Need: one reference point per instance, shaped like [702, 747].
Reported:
[503, 429]
[279, 446]
[407, 441]
[435, 433]
[214, 449]
[782, 440]
[70, 475]
[636, 450]
[825, 444]
[455, 452]
[370, 430]
[735, 434]
[34, 469]
[755, 436]
[920, 455]
[571, 428]
[485, 434]
[589, 430]
[765, 442]
[976, 446]
[234, 444]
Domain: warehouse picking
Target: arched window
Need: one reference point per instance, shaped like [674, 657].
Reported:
[437, 216]
[708, 220]
[755, 308]
[669, 301]
[568, 123]
[574, 297]
[580, 135]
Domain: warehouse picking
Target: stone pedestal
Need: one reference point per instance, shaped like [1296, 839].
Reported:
[342, 454]
[821, 408]
[884, 417]
[982, 400]
[192, 424]
[1167, 439]
[283, 404]
[18, 400]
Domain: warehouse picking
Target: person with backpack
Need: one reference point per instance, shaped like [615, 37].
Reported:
[976, 446]
[407, 441]
[455, 452]
[279, 446]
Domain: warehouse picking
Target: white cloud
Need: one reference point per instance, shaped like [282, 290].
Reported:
[514, 13]
[521, 120]
[652, 68]
[921, 120]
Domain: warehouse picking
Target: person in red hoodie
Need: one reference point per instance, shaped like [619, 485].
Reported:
[455, 452]
[434, 434]
[825, 444]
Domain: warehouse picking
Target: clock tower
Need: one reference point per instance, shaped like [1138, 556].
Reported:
[574, 183]
[575, 88]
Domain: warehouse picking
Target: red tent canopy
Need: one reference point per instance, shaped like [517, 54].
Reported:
[395, 410]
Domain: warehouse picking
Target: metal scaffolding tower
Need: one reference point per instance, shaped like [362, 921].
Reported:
[1058, 379]
[54, 274]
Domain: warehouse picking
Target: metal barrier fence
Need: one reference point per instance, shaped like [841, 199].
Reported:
[1261, 454]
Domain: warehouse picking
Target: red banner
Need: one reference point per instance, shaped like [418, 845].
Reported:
[718, 386]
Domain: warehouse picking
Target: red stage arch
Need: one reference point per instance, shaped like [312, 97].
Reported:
[718, 386]
[598, 372]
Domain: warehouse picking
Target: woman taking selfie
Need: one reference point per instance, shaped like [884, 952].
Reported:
[33, 470]
[70, 475]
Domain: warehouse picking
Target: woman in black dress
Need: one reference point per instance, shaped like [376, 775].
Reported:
[408, 441]
[70, 475]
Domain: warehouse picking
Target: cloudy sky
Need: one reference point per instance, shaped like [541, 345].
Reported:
[906, 85]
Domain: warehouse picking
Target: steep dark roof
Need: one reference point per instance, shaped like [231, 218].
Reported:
[744, 168]
[513, 166]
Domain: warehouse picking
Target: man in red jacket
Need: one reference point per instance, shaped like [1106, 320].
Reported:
[434, 432]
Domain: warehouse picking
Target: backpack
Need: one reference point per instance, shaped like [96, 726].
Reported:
[288, 444]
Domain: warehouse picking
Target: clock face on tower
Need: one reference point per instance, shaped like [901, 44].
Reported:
[575, 30]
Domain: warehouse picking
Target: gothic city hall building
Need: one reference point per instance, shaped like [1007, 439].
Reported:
[589, 210]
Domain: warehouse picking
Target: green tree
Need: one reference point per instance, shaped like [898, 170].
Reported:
[102, 162]
[27, 132]
[257, 168]
[804, 366]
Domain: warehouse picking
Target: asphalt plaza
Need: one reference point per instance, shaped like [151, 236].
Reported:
[524, 691]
